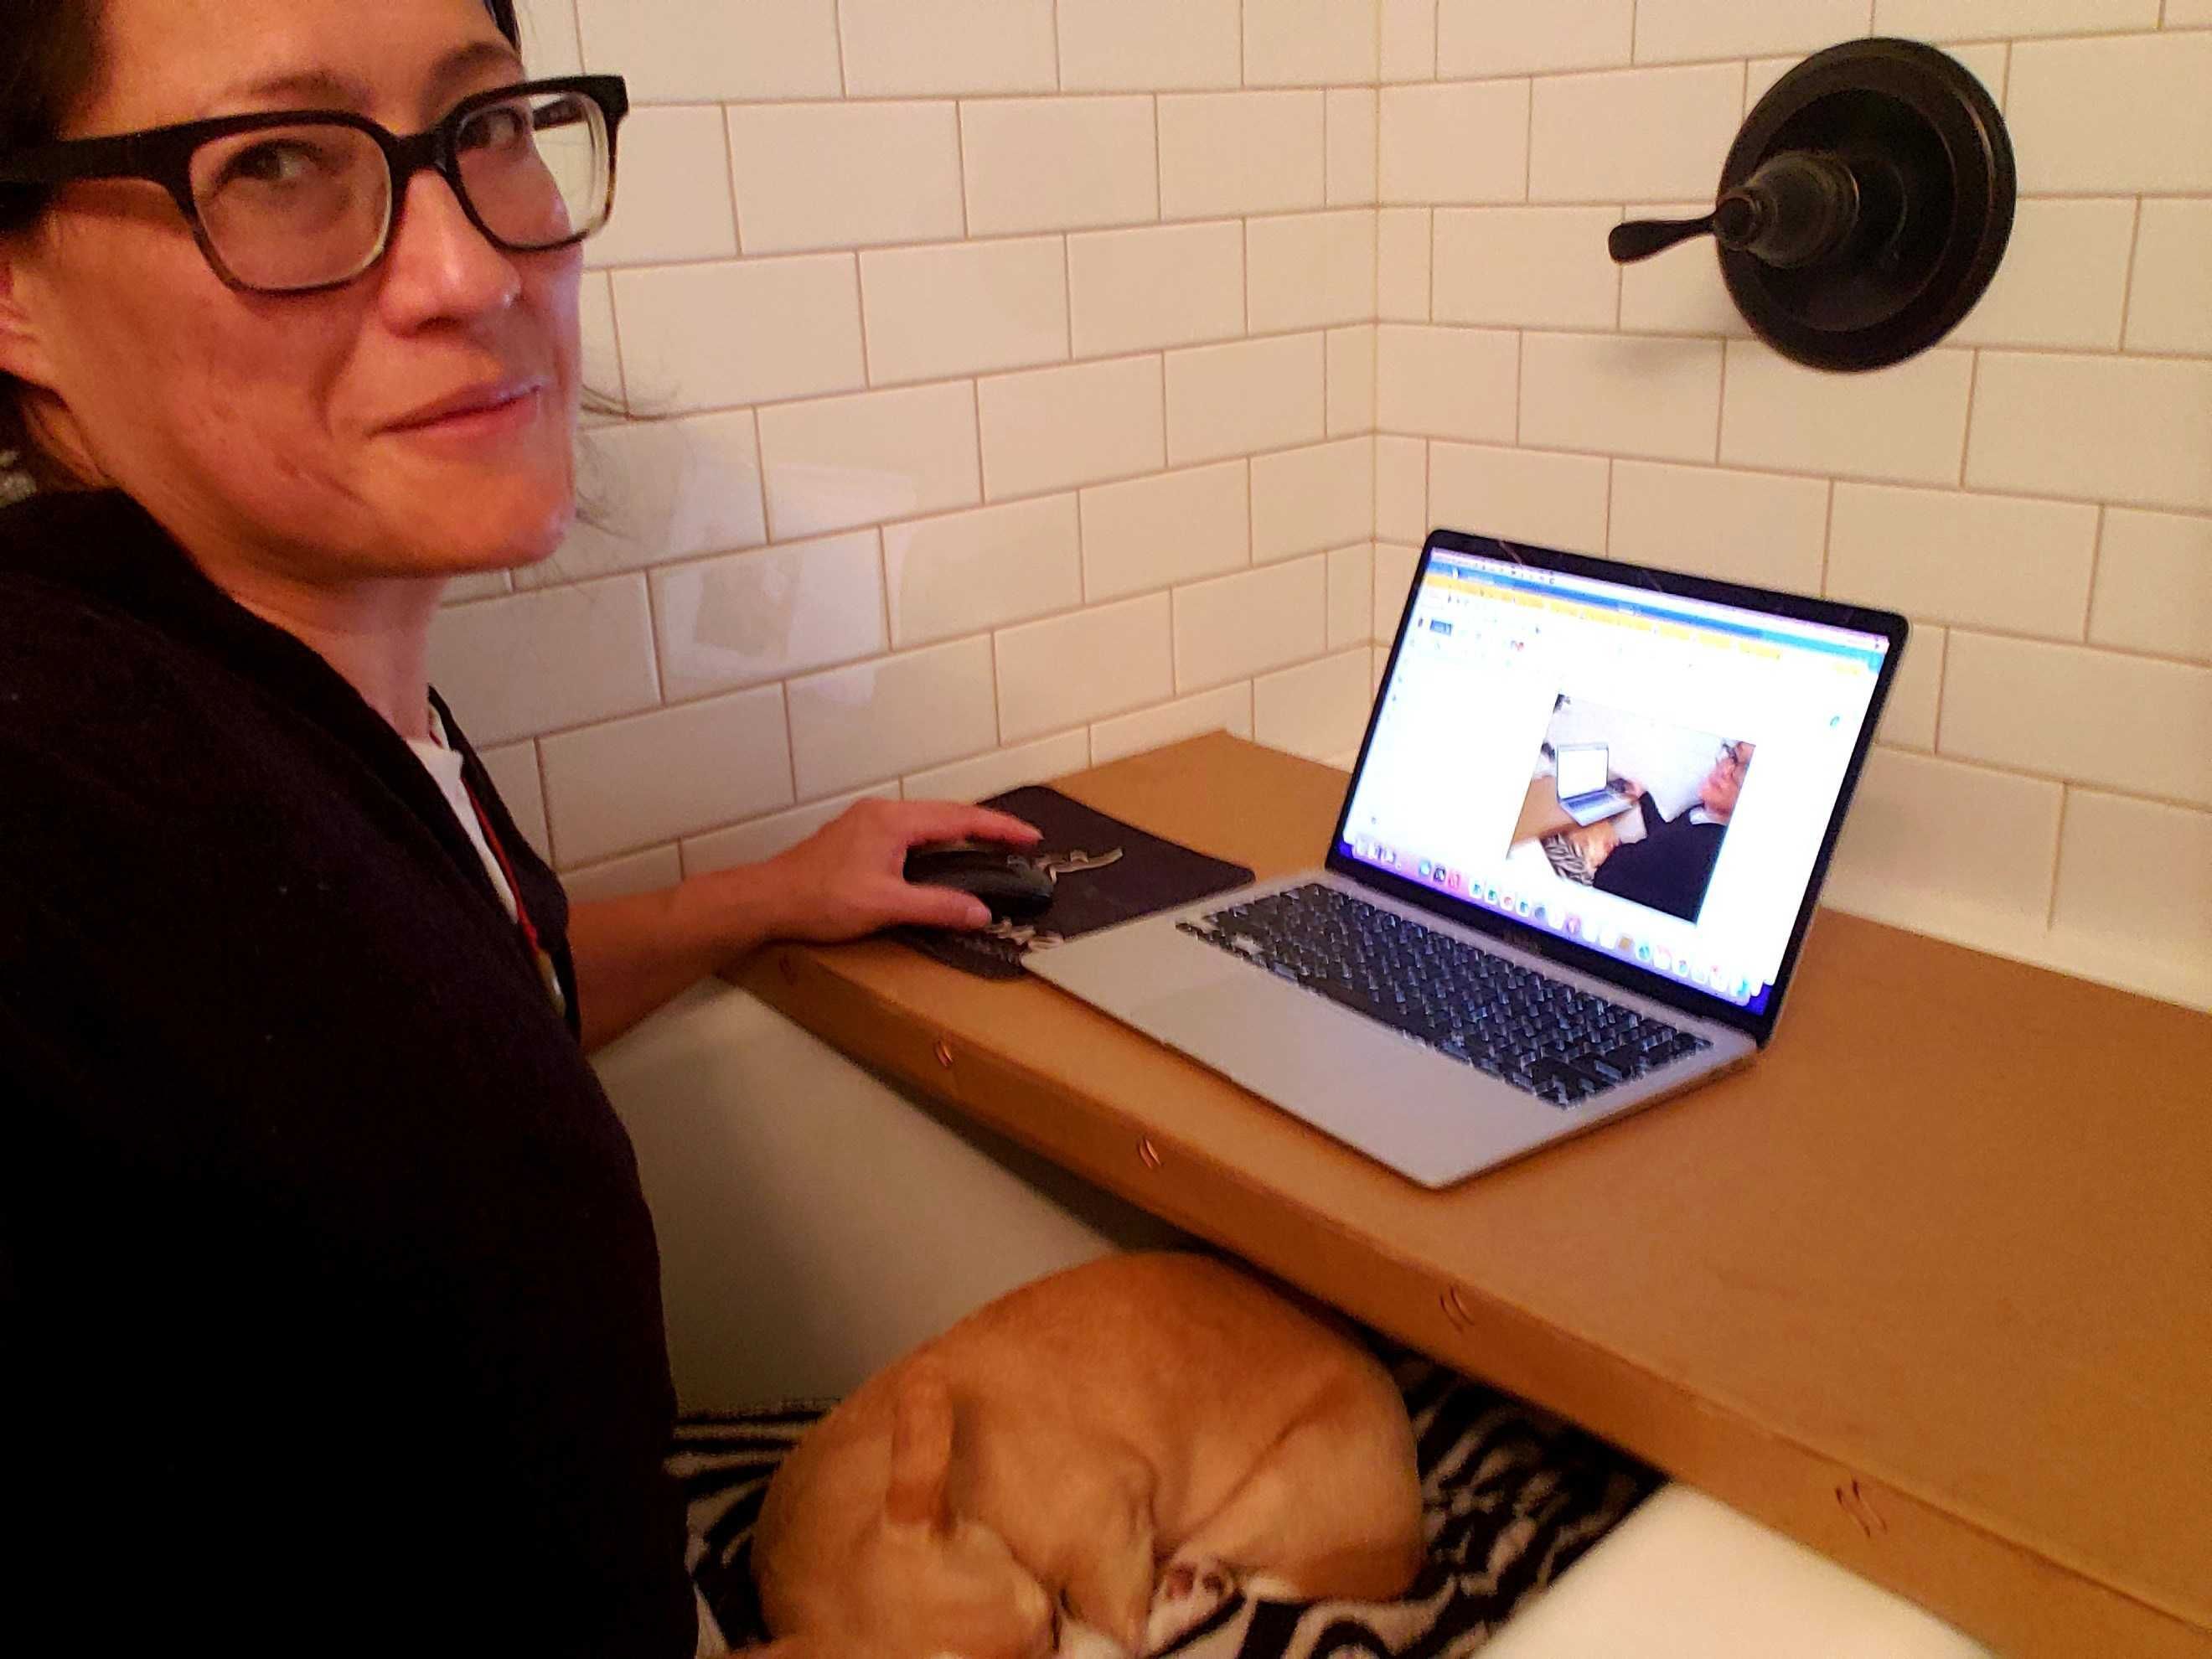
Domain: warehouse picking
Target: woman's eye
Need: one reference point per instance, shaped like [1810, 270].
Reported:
[503, 127]
[285, 161]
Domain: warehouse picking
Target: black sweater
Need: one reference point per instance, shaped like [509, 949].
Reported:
[330, 1311]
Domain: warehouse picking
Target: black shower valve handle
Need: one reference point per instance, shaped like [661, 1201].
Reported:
[1639, 239]
[1798, 208]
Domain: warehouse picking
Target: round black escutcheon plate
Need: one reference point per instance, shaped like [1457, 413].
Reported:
[1863, 208]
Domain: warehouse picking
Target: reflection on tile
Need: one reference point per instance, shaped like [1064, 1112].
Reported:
[653, 490]
[769, 614]
[970, 571]
[538, 662]
[852, 727]
[862, 459]
[615, 787]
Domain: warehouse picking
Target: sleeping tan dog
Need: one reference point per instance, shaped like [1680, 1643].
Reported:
[1114, 1441]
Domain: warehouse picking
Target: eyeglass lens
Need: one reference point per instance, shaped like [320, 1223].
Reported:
[304, 205]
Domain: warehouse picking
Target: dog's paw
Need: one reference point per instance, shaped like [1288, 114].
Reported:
[1188, 1595]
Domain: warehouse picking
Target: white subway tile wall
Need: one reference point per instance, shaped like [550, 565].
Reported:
[1021, 383]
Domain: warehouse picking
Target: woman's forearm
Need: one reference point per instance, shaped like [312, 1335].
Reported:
[844, 880]
[634, 954]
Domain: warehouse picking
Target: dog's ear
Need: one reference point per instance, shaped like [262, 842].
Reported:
[784, 1647]
[921, 1453]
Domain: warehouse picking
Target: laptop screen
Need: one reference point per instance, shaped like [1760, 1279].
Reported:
[1581, 769]
[1729, 731]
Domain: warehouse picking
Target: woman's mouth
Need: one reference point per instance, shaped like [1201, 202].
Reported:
[488, 411]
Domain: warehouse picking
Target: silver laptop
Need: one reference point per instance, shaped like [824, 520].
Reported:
[1468, 976]
[1585, 783]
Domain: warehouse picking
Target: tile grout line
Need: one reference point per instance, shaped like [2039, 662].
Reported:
[860, 312]
[1967, 433]
[1159, 165]
[976, 404]
[884, 587]
[544, 798]
[1520, 379]
[1528, 138]
[730, 180]
[2128, 275]
[960, 159]
[2058, 858]
[2096, 559]
[1720, 407]
[1827, 534]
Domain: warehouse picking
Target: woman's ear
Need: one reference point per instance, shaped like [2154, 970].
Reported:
[921, 1453]
[22, 352]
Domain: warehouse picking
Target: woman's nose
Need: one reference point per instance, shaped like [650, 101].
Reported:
[440, 264]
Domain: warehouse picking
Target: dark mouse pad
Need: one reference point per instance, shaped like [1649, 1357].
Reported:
[1103, 871]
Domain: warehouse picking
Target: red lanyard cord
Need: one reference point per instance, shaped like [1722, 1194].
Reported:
[491, 840]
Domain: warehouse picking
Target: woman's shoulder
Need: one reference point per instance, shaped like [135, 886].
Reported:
[42, 532]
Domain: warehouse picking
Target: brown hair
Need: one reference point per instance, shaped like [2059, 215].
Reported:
[50, 63]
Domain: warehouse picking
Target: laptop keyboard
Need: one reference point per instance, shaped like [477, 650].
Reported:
[1558, 1042]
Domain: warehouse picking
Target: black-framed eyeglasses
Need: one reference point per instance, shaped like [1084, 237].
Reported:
[293, 201]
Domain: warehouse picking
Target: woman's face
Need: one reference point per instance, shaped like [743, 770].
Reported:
[415, 422]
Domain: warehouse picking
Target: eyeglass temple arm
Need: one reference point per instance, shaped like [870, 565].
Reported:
[71, 159]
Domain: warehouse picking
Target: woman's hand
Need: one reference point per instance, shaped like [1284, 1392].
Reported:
[848, 877]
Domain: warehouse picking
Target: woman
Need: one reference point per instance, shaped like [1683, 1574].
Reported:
[330, 1302]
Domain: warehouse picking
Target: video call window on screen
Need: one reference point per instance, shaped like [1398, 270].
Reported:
[1645, 774]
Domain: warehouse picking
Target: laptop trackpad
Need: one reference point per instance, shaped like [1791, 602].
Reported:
[1345, 1075]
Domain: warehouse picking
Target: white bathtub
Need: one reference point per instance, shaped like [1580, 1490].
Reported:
[816, 1222]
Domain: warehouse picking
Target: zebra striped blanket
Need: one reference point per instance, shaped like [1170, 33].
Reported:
[1513, 1497]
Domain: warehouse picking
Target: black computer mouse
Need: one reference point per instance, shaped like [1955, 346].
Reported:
[1012, 885]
